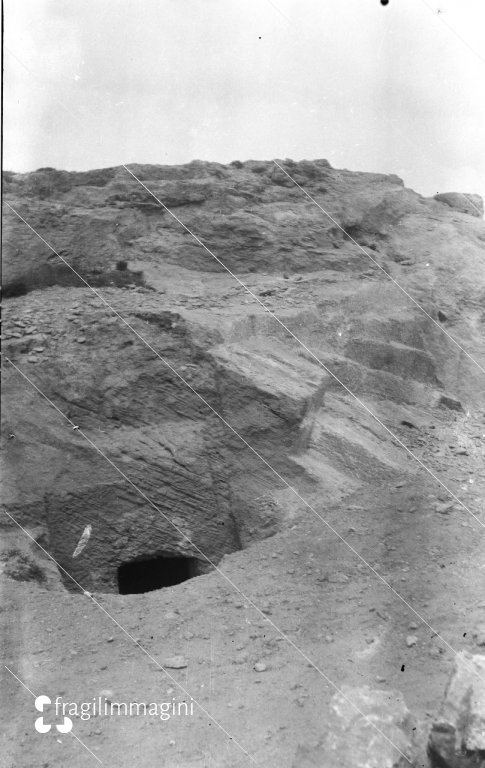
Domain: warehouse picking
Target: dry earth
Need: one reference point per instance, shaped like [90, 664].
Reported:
[303, 534]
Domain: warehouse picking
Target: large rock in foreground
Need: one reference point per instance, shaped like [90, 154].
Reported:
[374, 733]
[457, 739]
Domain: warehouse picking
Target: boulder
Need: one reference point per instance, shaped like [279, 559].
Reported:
[472, 204]
[457, 737]
[374, 733]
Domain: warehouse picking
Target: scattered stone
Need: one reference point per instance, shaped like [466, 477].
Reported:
[81, 339]
[260, 666]
[411, 640]
[338, 578]
[175, 662]
[107, 694]
[444, 508]
[479, 635]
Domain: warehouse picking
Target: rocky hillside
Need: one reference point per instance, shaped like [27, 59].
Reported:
[239, 359]
[309, 397]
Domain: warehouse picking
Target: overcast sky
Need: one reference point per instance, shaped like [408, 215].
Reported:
[95, 83]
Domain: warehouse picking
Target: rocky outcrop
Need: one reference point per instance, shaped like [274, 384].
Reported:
[251, 215]
[298, 391]
[159, 371]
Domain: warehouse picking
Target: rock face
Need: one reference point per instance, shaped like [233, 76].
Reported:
[250, 214]
[203, 423]
[458, 737]
[181, 457]
[378, 735]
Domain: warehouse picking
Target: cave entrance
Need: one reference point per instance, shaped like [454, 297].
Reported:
[140, 576]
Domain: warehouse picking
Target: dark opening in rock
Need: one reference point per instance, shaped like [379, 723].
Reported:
[121, 266]
[15, 288]
[146, 575]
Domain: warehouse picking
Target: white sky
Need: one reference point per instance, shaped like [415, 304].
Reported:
[389, 89]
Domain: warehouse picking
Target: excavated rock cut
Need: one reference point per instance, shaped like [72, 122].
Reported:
[202, 489]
